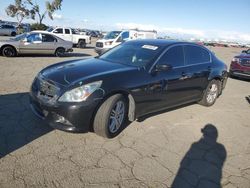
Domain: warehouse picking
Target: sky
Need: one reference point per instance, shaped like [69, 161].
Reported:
[203, 19]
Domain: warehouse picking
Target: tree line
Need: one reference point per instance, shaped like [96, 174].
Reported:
[30, 9]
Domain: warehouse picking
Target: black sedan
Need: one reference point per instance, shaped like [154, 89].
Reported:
[135, 78]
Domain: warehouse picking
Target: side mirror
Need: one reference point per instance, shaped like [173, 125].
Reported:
[244, 52]
[162, 67]
[25, 40]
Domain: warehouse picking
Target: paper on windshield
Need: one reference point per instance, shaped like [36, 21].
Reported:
[150, 47]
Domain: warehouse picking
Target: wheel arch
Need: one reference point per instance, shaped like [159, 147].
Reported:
[5, 45]
[130, 101]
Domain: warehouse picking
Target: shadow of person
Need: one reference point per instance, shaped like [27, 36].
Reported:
[202, 165]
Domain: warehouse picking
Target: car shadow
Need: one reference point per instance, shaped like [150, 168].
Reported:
[239, 78]
[18, 125]
[202, 165]
[144, 117]
[70, 54]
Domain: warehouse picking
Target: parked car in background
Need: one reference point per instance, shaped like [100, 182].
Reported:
[36, 42]
[8, 30]
[69, 34]
[131, 80]
[96, 34]
[240, 65]
[114, 38]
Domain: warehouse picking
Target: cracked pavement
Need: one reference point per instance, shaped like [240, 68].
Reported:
[167, 149]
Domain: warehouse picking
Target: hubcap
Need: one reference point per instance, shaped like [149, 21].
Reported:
[8, 52]
[212, 93]
[116, 116]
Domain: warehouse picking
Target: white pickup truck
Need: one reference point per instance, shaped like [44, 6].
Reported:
[69, 34]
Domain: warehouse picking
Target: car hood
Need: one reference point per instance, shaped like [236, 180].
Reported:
[244, 56]
[71, 72]
[13, 42]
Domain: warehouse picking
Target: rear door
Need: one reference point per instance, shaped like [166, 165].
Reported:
[198, 62]
[49, 44]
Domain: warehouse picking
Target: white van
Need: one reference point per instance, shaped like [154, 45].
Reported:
[115, 38]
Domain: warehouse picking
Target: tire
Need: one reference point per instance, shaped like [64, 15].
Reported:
[81, 44]
[9, 51]
[13, 34]
[211, 93]
[108, 122]
[60, 52]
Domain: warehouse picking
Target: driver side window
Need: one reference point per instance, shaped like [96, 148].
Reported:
[34, 37]
[174, 56]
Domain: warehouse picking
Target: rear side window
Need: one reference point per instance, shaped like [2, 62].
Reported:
[196, 55]
[67, 31]
[174, 56]
[48, 38]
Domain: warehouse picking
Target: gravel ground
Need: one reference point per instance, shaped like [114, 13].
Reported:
[165, 149]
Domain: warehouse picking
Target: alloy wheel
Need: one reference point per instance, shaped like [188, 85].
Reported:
[116, 117]
[212, 93]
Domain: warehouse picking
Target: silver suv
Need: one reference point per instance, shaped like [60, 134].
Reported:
[9, 30]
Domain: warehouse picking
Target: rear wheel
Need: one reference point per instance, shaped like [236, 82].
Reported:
[211, 93]
[9, 51]
[60, 52]
[81, 44]
[111, 117]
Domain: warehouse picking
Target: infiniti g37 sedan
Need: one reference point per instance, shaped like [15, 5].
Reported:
[135, 78]
[36, 42]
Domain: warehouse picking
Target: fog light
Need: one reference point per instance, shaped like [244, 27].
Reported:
[61, 119]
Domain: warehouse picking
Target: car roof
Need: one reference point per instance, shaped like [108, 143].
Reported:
[41, 31]
[158, 42]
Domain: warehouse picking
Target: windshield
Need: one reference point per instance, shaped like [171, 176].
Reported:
[133, 54]
[112, 35]
[20, 37]
[50, 29]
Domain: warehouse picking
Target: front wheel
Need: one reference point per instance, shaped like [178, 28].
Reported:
[211, 93]
[111, 117]
[9, 51]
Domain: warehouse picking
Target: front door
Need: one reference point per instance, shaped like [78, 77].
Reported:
[32, 44]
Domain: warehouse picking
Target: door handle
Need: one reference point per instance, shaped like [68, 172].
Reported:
[209, 68]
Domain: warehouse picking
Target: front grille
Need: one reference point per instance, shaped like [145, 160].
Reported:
[245, 62]
[47, 88]
[99, 44]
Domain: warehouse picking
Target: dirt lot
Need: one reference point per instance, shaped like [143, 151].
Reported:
[162, 149]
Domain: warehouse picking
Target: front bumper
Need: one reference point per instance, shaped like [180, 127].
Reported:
[100, 51]
[72, 117]
[239, 71]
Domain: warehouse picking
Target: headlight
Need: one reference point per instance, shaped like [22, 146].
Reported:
[81, 93]
[235, 59]
[108, 43]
